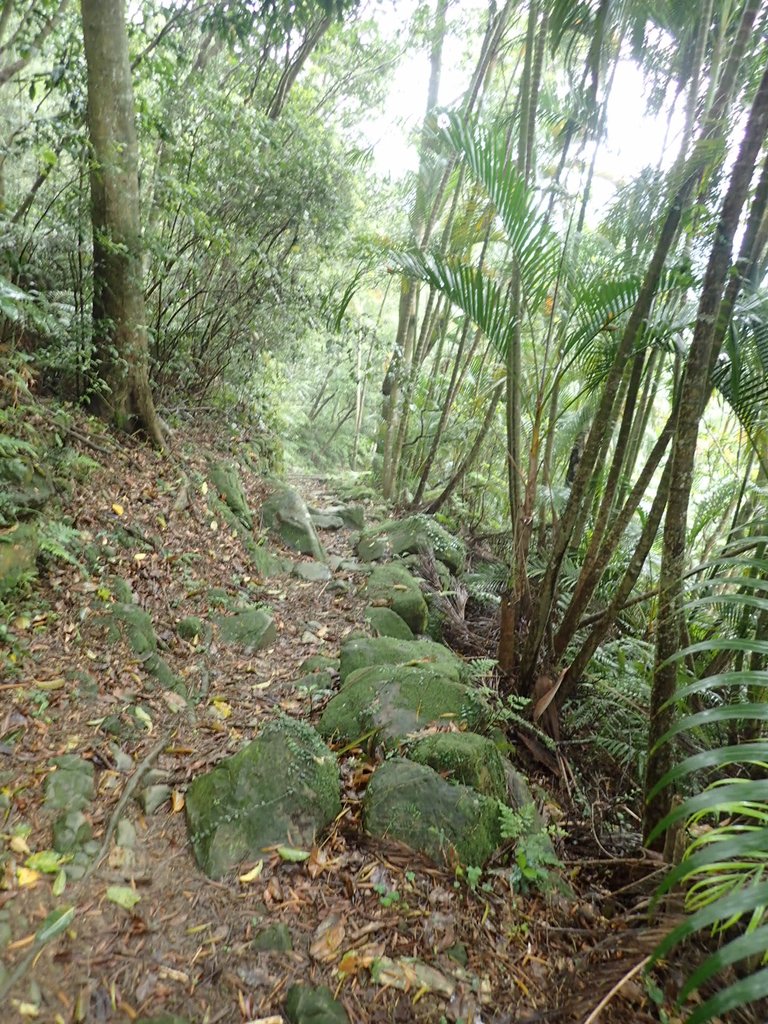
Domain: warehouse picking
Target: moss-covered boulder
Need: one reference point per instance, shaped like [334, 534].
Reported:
[394, 586]
[411, 536]
[250, 630]
[285, 514]
[352, 516]
[451, 824]
[192, 627]
[226, 480]
[361, 652]
[18, 556]
[312, 572]
[326, 521]
[385, 622]
[318, 663]
[395, 701]
[136, 626]
[464, 757]
[282, 788]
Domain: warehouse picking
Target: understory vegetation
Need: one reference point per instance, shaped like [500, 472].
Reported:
[553, 346]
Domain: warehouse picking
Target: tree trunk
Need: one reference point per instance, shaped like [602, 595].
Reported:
[694, 395]
[123, 395]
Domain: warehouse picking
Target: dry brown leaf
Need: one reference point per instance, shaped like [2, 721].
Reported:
[327, 940]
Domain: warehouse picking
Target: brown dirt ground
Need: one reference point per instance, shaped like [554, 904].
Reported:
[186, 947]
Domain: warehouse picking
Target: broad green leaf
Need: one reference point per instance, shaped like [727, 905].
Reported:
[56, 922]
[47, 861]
[123, 896]
[291, 854]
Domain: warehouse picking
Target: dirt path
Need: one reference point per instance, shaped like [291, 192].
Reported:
[188, 945]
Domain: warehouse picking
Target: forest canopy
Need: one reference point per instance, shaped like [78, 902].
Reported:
[411, 244]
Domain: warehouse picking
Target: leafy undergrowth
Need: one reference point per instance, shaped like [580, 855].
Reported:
[148, 932]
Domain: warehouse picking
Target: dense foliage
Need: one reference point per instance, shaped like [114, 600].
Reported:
[582, 384]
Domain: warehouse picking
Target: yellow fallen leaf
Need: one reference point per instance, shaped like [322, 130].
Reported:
[213, 525]
[140, 556]
[29, 1010]
[177, 801]
[203, 487]
[117, 509]
[221, 707]
[253, 874]
[27, 876]
[19, 844]
[22, 622]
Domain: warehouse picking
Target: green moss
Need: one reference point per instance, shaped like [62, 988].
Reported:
[226, 480]
[451, 824]
[361, 652]
[395, 585]
[464, 757]
[251, 629]
[385, 622]
[411, 536]
[395, 701]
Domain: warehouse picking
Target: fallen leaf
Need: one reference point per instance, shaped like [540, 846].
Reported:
[47, 861]
[123, 896]
[177, 801]
[140, 556]
[355, 960]
[221, 707]
[407, 973]
[328, 938]
[28, 1009]
[26, 876]
[117, 509]
[253, 874]
[203, 487]
[18, 844]
[144, 718]
[59, 883]
[292, 855]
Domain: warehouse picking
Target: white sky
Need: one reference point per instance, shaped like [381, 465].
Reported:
[634, 139]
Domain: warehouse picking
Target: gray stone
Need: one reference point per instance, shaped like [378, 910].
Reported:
[153, 797]
[125, 834]
[451, 824]
[250, 630]
[326, 521]
[313, 572]
[305, 1005]
[71, 832]
[275, 938]
[282, 788]
[286, 515]
[70, 787]
[317, 662]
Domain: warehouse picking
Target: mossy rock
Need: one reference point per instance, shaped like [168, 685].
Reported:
[352, 516]
[136, 624]
[191, 627]
[410, 537]
[361, 652]
[317, 663]
[70, 787]
[18, 556]
[394, 585]
[395, 701]
[285, 514]
[312, 572]
[326, 521]
[464, 757]
[250, 630]
[275, 938]
[71, 831]
[450, 824]
[305, 1005]
[282, 788]
[385, 622]
[226, 480]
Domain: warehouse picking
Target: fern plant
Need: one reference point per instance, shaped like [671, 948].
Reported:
[724, 870]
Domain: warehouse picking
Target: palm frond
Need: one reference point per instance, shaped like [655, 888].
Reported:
[725, 866]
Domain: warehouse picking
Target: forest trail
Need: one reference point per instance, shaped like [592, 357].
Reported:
[149, 933]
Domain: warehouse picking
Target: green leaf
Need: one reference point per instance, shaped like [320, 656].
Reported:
[56, 922]
[47, 861]
[291, 854]
[123, 896]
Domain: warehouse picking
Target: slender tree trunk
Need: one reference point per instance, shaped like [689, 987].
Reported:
[694, 395]
[118, 303]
